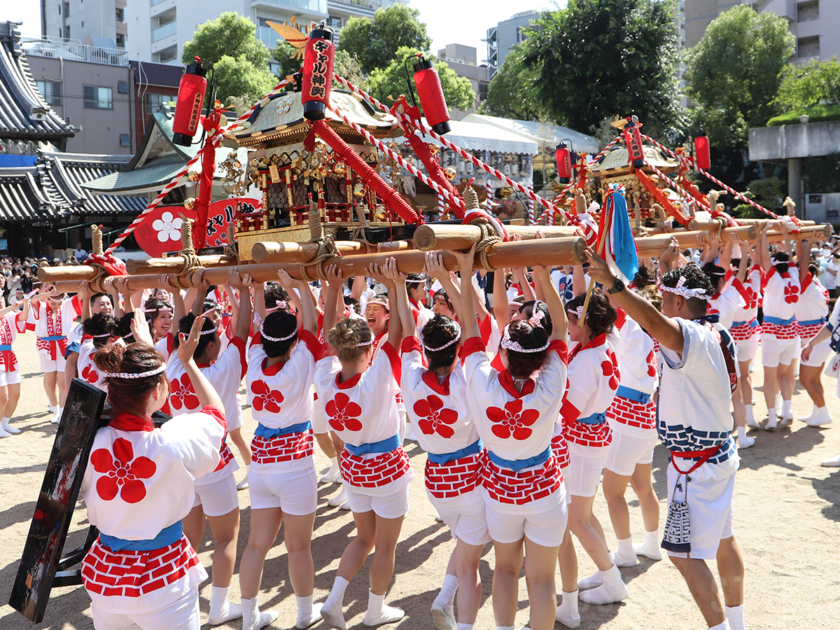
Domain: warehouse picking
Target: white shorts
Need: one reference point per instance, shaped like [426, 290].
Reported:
[585, 472]
[217, 498]
[394, 505]
[776, 352]
[48, 365]
[295, 493]
[9, 378]
[710, 510]
[747, 349]
[628, 450]
[182, 614]
[819, 354]
[467, 520]
[546, 528]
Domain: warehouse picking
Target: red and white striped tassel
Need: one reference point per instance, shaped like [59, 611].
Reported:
[488, 188]
[441, 206]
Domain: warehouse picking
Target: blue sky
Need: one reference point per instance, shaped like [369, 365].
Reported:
[448, 21]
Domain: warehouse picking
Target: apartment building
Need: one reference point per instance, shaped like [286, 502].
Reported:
[94, 22]
[504, 36]
[813, 22]
[464, 61]
[159, 29]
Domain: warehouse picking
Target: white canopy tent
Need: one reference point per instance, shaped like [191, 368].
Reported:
[544, 134]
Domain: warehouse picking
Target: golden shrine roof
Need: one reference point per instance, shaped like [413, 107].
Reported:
[617, 161]
[280, 121]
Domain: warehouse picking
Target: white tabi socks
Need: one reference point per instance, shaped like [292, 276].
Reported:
[332, 474]
[221, 610]
[378, 613]
[735, 617]
[750, 417]
[6, 426]
[722, 626]
[331, 611]
[612, 590]
[307, 614]
[771, 420]
[443, 608]
[650, 548]
[567, 612]
[625, 556]
[252, 618]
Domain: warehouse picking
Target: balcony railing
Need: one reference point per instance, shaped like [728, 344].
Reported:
[165, 30]
[373, 5]
[312, 6]
[155, 2]
[73, 50]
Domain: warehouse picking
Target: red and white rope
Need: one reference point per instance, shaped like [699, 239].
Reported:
[440, 190]
[531, 211]
[406, 125]
[215, 139]
[690, 162]
[590, 163]
[675, 185]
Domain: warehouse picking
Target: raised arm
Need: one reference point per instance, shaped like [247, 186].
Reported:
[466, 312]
[578, 280]
[334, 282]
[743, 264]
[84, 296]
[527, 292]
[205, 392]
[501, 306]
[243, 322]
[402, 309]
[259, 299]
[308, 314]
[202, 286]
[377, 273]
[803, 259]
[554, 302]
[762, 251]
[665, 330]
[178, 304]
[437, 270]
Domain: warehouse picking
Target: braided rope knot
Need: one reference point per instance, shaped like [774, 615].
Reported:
[192, 263]
[326, 249]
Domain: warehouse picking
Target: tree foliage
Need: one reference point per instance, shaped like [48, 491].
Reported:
[239, 59]
[284, 54]
[391, 81]
[767, 192]
[814, 83]
[375, 42]
[733, 73]
[512, 91]
[596, 59]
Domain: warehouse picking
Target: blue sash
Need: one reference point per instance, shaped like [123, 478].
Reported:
[595, 418]
[165, 537]
[518, 464]
[53, 338]
[5, 347]
[385, 446]
[269, 434]
[445, 458]
[810, 322]
[631, 394]
[753, 324]
[779, 322]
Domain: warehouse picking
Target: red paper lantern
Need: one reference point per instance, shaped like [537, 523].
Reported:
[564, 163]
[633, 140]
[189, 103]
[430, 92]
[317, 73]
[702, 151]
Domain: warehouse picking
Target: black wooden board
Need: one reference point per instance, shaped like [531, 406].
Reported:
[56, 501]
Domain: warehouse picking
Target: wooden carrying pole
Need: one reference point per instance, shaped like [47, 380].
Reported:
[174, 264]
[548, 252]
[443, 236]
[698, 224]
[302, 253]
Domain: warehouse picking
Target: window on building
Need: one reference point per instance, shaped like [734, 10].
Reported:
[120, 15]
[482, 91]
[59, 9]
[154, 101]
[51, 91]
[125, 140]
[122, 87]
[120, 40]
[83, 23]
[98, 97]
[808, 47]
[808, 11]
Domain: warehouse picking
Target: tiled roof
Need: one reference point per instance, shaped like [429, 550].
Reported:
[24, 115]
[62, 176]
[21, 198]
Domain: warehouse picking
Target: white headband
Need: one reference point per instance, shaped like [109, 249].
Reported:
[578, 312]
[507, 344]
[456, 339]
[157, 370]
[418, 281]
[157, 310]
[686, 293]
[537, 317]
[362, 344]
[102, 335]
[264, 336]
[280, 304]
[208, 332]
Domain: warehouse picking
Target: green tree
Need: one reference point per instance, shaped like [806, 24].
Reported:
[814, 83]
[239, 59]
[512, 91]
[596, 59]
[767, 192]
[375, 42]
[391, 81]
[733, 73]
[284, 54]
